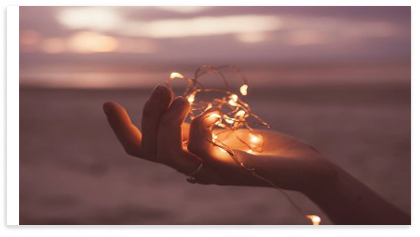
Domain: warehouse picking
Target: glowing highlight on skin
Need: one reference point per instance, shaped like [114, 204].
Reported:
[254, 139]
[214, 116]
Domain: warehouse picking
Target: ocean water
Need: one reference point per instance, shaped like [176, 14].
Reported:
[74, 171]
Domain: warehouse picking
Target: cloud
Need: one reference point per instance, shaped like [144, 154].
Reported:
[219, 32]
[202, 26]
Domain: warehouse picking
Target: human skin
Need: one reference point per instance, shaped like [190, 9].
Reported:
[286, 161]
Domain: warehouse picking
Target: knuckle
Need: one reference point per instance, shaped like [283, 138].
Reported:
[148, 111]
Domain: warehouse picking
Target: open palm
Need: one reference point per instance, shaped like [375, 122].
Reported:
[165, 138]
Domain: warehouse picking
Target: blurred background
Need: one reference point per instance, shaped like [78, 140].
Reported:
[336, 77]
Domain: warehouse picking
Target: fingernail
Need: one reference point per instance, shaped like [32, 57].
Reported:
[178, 102]
[157, 93]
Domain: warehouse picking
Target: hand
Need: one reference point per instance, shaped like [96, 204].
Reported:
[286, 161]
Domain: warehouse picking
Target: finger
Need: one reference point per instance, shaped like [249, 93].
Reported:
[126, 132]
[201, 142]
[185, 131]
[153, 111]
[170, 149]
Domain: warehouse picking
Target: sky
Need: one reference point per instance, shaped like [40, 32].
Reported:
[70, 36]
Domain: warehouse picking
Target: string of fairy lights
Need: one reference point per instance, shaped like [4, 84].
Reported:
[235, 114]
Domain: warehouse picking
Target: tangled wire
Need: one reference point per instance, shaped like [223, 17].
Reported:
[235, 114]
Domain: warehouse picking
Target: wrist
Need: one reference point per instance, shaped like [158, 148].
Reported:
[324, 184]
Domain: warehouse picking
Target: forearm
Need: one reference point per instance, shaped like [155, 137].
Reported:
[350, 202]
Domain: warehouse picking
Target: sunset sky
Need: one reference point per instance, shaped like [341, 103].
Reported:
[69, 36]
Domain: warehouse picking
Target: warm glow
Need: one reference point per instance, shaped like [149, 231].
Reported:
[314, 218]
[29, 37]
[136, 46]
[221, 149]
[214, 137]
[228, 119]
[29, 40]
[91, 42]
[191, 98]
[254, 138]
[53, 45]
[306, 37]
[182, 9]
[221, 125]
[231, 102]
[93, 18]
[202, 26]
[176, 75]
[244, 89]
[251, 37]
[240, 114]
[234, 97]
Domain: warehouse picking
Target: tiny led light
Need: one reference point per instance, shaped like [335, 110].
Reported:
[240, 114]
[314, 218]
[214, 137]
[191, 98]
[228, 119]
[234, 97]
[233, 100]
[176, 75]
[244, 89]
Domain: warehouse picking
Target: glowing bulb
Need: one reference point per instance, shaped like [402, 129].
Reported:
[314, 218]
[244, 89]
[240, 113]
[234, 97]
[176, 75]
[191, 98]
[214, 137]
[228, 119]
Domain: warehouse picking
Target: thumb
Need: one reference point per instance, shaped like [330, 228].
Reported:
[200, 139]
